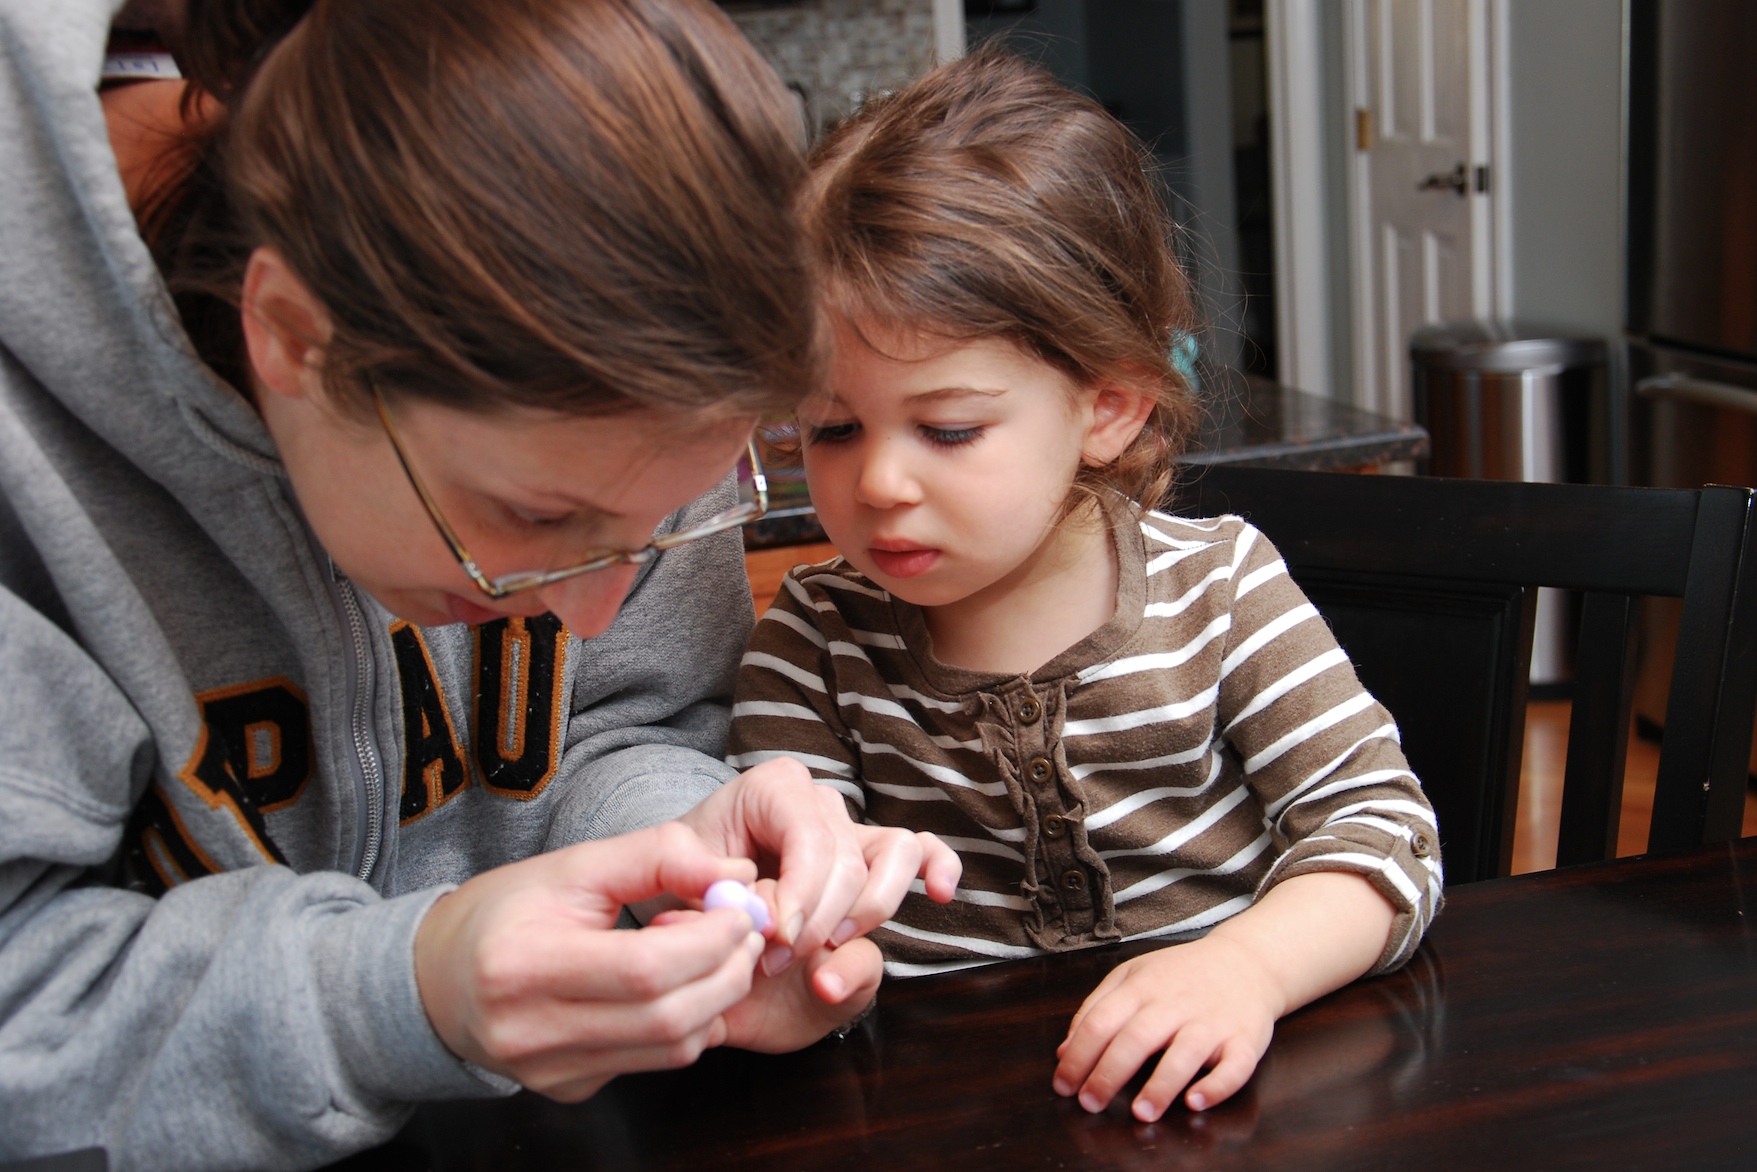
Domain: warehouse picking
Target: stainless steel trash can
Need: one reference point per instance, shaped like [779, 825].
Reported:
[1512, 401]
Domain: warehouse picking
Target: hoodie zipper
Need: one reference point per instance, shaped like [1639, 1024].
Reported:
[365, 752]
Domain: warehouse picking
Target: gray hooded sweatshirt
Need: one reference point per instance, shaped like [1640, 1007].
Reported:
[230, 783]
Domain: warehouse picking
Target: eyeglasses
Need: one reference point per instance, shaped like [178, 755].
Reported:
[595, 559]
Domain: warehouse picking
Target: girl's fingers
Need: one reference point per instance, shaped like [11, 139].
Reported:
[1130, 1049]
[847, 977]
[1188, 1052]
[1098, 1024]
[1237, 1062]
[941, 868]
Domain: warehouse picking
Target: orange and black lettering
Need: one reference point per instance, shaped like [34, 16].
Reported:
[433, 764]
[254, 755]
[161, 852]
[519, 664]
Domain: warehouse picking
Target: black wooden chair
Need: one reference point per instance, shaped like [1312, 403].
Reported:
[1430, 586]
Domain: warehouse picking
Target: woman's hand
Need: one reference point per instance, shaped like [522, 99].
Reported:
[1213, 1003]
[834, 878]
[522, 971]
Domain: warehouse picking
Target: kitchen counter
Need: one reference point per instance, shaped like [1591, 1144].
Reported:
[1255, 422]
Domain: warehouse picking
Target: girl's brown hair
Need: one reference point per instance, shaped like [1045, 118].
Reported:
[986, 200]
[579, 205]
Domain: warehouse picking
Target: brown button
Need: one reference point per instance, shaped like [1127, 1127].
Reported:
[1029, 711]
[1074, 880]
[1421, 846]
[1054, 826]
[1040, 768]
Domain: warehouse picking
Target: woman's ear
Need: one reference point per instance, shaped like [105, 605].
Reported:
[286, 327]
[1119, 410]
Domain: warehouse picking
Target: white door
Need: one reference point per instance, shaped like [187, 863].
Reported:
[1420, 187]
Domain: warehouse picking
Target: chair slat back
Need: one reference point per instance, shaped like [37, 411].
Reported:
[1430, 586]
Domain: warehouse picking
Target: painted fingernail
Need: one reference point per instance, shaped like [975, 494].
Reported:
[845, 931]
[1197, 1101]
[776, 959]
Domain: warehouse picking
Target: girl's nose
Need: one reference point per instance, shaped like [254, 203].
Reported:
[886, 480]
[588, 603]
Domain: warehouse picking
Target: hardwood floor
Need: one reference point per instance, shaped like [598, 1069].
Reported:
[1540, 790]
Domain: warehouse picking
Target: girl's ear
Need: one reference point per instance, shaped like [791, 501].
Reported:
[1118, 412]
[285, 326]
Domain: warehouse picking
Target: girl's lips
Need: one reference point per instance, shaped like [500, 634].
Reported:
[904, 563]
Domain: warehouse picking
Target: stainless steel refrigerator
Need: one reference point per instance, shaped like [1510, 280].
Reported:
[1691, 325]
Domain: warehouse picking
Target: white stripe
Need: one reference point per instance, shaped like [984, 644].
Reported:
[876, 705]
[980, 898]
[981, 846]
[896, 969]
[877, 639]
[1181, 757]
[1186, 832]
[910, 793]
[1266, 634]
[779, 666]
[1288, 682]
[774, 708]
[1213, 915]
[848, 650]
[1165, 879]
[1199, 524]
[1259, 576]
[1147, 797]
[848, 789]
[940, 773]
[1165, 538]
[1305, 791]
[1122, 720]
[1160, 660]
[809, 760]
[837, 582]
[969, 943]
[797, 624]
[1166, 610]
[1241, 548]
[1167, 560]
[1392, 805]
[1308, 730]
[904, 692]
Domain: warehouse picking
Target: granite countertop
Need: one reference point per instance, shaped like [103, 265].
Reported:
[1252, 422]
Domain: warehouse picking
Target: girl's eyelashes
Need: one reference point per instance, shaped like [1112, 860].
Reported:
[831, 433]
[951, 437]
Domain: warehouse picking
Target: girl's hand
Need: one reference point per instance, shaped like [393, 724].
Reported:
[834, 878]
[1206, 1004]
[523, 972]
[1214, 1002]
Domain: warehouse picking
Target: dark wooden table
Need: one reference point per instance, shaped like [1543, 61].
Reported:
[1599, 1016]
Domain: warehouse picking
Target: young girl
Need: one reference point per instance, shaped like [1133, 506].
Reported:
[1129, 725]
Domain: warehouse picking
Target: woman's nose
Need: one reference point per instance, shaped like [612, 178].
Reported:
[588, 603]
[885, 480]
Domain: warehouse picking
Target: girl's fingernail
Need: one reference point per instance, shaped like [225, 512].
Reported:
[1197, 1101]
[1061, 1088]
[1144, 1111]
[845, 931]
[776, 959]
[1091, 1103]
[834, 989]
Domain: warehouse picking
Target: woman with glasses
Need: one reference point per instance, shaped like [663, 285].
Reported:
[371, 587]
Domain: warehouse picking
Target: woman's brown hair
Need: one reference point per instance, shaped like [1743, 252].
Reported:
[579, 205]
[986, 200]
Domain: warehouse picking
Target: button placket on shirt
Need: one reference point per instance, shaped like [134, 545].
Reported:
[1063, 883]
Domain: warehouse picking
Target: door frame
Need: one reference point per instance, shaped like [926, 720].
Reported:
[1307, 325]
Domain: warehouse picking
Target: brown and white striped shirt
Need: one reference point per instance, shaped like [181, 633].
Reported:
[1157, 777]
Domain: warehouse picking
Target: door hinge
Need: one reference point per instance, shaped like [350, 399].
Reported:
[1363, 129]
[1482, 178]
